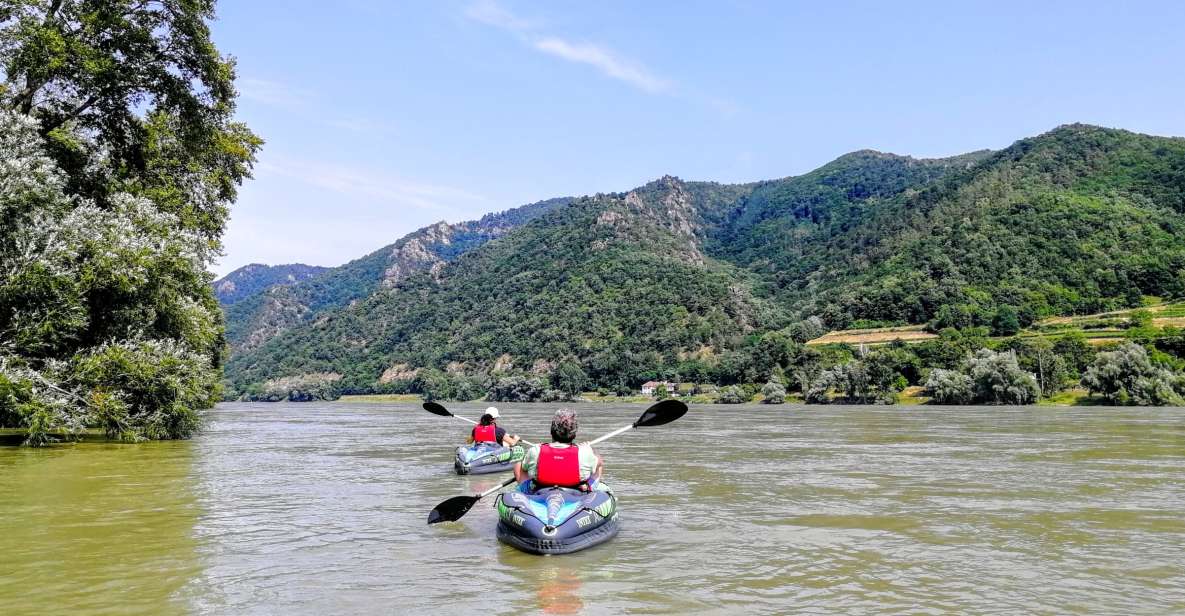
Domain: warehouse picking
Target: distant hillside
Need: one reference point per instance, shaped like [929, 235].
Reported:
[723, 283]
[1079, 220]
[260, 317]
[617, 282]
[256, 277]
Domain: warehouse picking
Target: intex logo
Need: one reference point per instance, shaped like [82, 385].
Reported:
[518, 519]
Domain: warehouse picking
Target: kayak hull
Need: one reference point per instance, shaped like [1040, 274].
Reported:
[556, 520]
[484, 459]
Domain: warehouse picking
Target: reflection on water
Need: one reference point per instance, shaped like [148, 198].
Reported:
[320, 509]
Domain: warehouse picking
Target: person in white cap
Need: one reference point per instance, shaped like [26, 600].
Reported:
[487, 430]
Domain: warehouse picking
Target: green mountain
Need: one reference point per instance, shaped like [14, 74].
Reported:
[257, 318]
[257, 277]
[704, 281]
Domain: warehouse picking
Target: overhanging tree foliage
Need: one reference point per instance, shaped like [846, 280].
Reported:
[121, 159]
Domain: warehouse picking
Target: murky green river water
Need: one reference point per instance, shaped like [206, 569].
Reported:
[320, 509]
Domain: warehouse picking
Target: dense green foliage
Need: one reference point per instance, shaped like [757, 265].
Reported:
[602, 279]
[709, 283]
[258, 317]
[1128, 375]
[120, 160]
[255, 278]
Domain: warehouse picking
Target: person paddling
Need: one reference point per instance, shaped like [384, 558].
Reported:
[560, 463]
[487, 430]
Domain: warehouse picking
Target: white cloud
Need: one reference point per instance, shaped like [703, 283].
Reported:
[609, 62]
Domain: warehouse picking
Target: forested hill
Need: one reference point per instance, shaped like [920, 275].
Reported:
[703, 281]
[256, 277]
[257, 318]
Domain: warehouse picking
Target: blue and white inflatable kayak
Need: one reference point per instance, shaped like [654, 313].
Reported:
[482, 458]
[556, 520]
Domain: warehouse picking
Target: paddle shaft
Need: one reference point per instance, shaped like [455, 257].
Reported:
[612, 434]
[475, 423]
[496, 488]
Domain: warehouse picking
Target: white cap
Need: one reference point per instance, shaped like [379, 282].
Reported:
[492, 412]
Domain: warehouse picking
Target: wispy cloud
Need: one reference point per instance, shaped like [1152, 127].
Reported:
[373, 185]
[606, 61]
[609, 62]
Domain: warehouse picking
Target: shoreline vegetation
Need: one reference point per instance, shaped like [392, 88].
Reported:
[1122, 357]
[912, 396]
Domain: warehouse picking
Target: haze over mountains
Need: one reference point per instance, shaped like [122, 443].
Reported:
[682, 277]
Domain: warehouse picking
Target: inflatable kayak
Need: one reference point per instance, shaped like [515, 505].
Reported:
[482, 458]
[556, 520]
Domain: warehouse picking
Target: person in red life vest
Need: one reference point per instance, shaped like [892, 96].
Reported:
[488, 431]
[560, 462]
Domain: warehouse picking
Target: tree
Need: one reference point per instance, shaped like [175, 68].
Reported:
[1128, 376]
[808, 329]
[1075, 351]
[516, 389]
[138, 84]
[773, 393]
[1006, 322]
[569, 378]
[731, 395]
[997, 378]
[661, 393]
[949, 387]
[1038, 357]
[120, 161]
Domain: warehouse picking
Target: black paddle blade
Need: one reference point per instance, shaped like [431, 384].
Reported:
[662, 413]
[437, 409]
[452, 509]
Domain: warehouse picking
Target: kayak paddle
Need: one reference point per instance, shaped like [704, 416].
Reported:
[452, 509]
[438, 409]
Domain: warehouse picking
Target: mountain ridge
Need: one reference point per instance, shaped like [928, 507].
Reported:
[868, 238]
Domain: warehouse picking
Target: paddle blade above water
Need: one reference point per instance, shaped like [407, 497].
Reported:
[437, 409]
[452, 509]
[662, 413]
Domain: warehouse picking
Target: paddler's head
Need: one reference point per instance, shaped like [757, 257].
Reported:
[490, 415]
[563, 426]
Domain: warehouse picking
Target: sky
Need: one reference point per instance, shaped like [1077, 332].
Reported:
[380, 118]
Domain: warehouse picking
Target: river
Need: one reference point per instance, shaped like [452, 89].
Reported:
[320, 509]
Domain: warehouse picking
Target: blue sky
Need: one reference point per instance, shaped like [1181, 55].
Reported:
[381, 118]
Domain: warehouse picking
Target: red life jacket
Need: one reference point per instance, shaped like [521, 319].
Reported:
[558, 466]
[485, 434]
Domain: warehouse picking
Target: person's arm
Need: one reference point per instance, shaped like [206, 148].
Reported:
[469, 440]
[528, 460]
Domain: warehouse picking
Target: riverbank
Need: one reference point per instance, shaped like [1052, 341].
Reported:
[911, 396]
[16, 436]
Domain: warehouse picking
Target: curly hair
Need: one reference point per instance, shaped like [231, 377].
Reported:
[563, 426]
